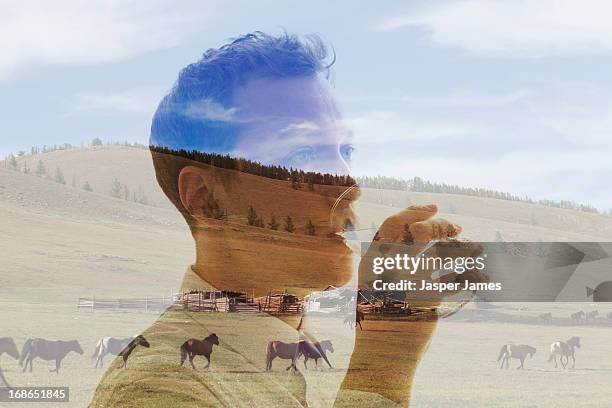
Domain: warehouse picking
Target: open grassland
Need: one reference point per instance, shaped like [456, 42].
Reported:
[60, 242]
[458, 369]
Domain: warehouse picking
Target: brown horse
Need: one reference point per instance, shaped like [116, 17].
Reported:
[285, 351]
[315, 351]
[353, 320]
[195, 347]
[8, 346]
[47, 350]
[125, 353]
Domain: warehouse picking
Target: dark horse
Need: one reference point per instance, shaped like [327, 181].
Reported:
[47, 350]
[316, 351]
[353, 320]
[117, 347]
[8, 346]
[125, 353]
[195, 347]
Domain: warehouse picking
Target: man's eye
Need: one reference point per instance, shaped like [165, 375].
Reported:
[347, 152]
[302, 155]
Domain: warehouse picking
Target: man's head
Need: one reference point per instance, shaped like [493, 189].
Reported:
[264, 102]
[259, 97]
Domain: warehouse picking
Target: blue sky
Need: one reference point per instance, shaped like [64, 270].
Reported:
[514, 96]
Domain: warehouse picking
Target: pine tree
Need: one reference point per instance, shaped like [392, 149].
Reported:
[310, 228]
[12, 162]
[273, 225]
[252, 216]
[40, 169]
[407, 237]
[311, 185]
[59, 176]
[289, 227]
[501, 242]
[96, 142]
[86, 186]
[145, 201]
[126, 192]
[116, 189]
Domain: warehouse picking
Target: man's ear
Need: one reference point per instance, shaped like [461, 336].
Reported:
[196, 191]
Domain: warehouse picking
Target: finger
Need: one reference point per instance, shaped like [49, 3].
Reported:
[393, 229]
[433, 230]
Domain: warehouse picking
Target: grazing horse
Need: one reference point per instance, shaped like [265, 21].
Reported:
[577, 317]
[519, 352]
[47, 350]
[195, 347]
[352, 320]
[117, 347]
[547, 317]
[8, 346]
[564, 349]
[285, 351]
[592, 315]
[315, 351]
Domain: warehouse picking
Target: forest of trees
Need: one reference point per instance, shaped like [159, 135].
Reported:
[122, 191]
[255, 220]
[416, 184]
[118, 189]
[297, 177]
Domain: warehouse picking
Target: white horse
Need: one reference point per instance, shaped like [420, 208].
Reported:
[520, 352]
[564, 349]
[109, 345]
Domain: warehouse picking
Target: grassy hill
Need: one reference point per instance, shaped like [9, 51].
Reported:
[54, 231]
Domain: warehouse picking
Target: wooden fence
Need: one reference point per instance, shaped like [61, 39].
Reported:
[146, 304]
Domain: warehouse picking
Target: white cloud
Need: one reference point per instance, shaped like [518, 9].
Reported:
[141, 100]
[60, 32]
[305, 126]
[211, 110]
[556, 146]
[385, 127]
[523, 28]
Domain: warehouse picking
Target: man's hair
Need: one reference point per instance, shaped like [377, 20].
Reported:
[197, 114]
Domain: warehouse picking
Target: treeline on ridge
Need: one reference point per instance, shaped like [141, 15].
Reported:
[225, 161]
[416, 184]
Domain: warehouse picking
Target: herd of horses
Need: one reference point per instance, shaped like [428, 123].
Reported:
[561, 349]
[578, 317]
[57, 350]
